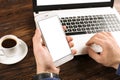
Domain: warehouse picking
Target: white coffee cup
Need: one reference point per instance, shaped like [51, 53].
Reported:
[12, 49]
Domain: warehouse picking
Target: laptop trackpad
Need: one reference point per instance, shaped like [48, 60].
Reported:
[80, 43]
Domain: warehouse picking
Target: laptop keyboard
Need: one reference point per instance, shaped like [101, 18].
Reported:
[90, 24]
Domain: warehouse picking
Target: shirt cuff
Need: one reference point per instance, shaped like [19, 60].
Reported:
[50, 79]
[46, 76]
[118, 70]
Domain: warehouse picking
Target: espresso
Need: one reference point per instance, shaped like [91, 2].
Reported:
[8, 43]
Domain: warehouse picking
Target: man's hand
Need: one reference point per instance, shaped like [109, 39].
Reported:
[42, 56]
[110, 56]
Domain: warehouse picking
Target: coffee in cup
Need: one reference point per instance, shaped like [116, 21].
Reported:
[9, 45]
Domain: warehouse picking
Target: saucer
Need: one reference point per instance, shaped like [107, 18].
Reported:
[20, 55]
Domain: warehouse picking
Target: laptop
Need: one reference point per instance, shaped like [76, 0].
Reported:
[83, 18]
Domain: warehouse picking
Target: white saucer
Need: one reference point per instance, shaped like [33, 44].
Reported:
[17, 57]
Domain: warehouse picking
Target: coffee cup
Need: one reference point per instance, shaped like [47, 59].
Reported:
[11, 47]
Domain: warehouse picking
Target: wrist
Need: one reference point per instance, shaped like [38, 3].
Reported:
[116, 61]
[47, 70]
[115, 66]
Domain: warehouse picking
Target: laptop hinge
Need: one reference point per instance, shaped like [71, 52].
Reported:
[112, 3]
[35, 6]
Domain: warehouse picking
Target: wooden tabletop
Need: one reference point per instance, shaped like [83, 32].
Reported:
[16, 17]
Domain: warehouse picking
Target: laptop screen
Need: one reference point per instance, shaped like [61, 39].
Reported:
[47, 5]
[59, 2]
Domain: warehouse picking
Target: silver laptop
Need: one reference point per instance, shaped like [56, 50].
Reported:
[83, 18]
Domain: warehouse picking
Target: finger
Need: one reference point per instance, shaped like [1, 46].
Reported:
[64, 28]
[69, 38]
[93, 54]
[109, 33]
[37, 35]
[34, 38]
[91, 41]
[95, 40]
[71, 44]
[106, 34]
[74, 51]
[101, 35]
[37, 39]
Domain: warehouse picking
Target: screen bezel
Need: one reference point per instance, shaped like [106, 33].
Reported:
[37, 8]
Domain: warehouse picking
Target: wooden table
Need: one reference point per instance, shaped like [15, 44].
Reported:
[16, 17]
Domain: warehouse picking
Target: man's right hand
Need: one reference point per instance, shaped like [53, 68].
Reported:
[110, 56]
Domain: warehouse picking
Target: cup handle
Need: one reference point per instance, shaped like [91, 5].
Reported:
[1, 52]
[20, 42]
